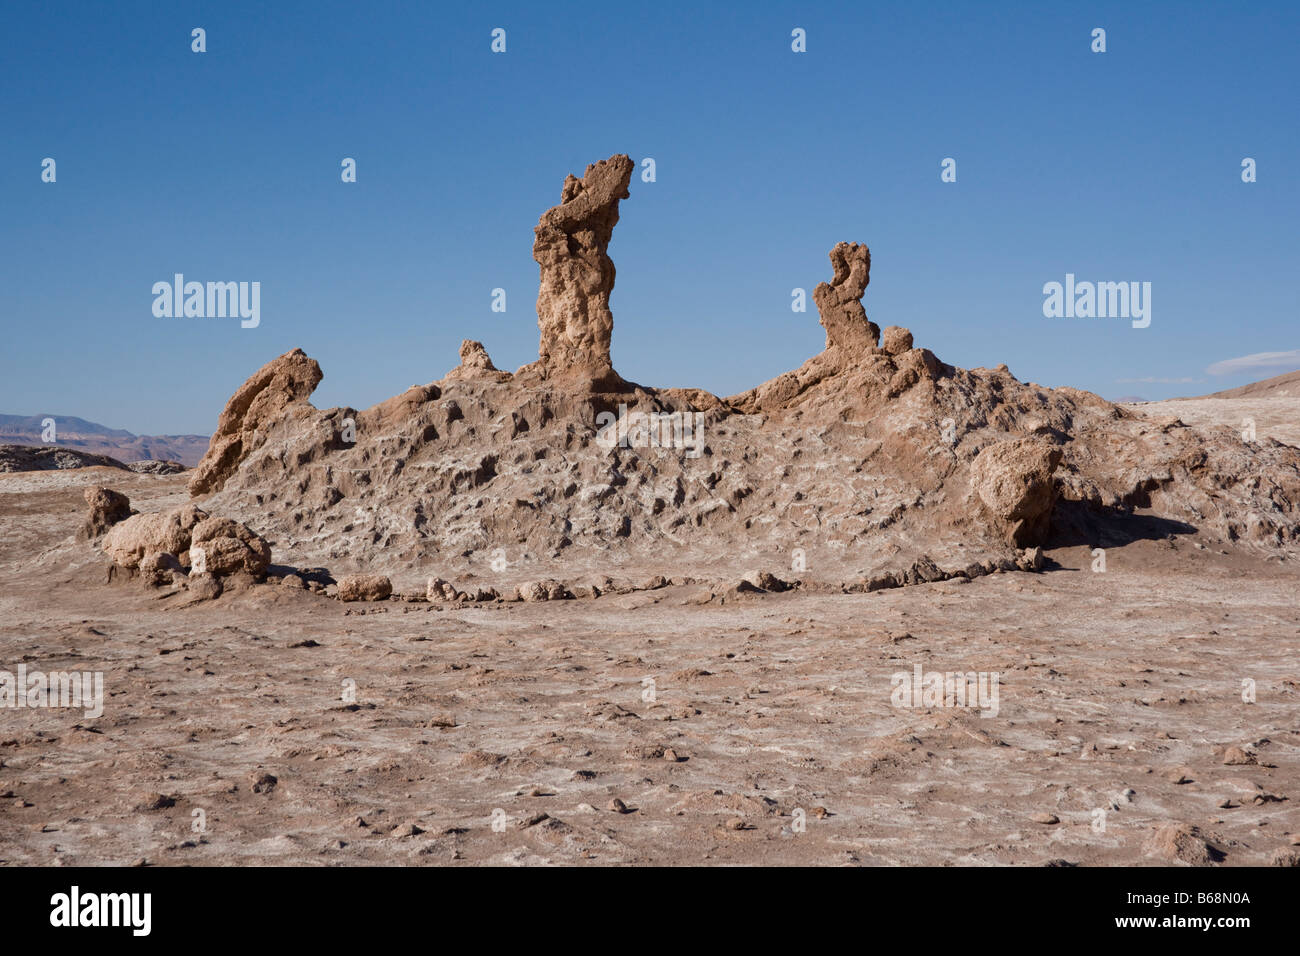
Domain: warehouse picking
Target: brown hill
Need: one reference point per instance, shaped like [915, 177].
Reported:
[92, 438]
[57, 458]
[50, 458]
[1279, 386]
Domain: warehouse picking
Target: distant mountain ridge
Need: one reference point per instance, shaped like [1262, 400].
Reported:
[1286, 385]
[79, 434]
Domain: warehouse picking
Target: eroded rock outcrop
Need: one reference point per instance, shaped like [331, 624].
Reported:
[475, 363]
[152, 466]
[840, 300]
[49, 458]
[857, 370]
[577, 275]
[896, 340]
[106, 508]
[265, 398]
[888, 465]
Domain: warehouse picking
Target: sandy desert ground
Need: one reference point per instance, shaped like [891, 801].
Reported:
[505, 733]
[1268, 406]
[1272, 416]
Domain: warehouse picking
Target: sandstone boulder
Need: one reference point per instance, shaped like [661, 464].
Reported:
[107, 508]
[365, 587]
[543, 591]
[1031, 560]
[1183, 843]
[158, 567]
[224, 546]
[1014, 481]
[165, 531]
[259, 402]
[166, 541]
[204, 587]
[922, 571]
[438, 591]
[766, 581]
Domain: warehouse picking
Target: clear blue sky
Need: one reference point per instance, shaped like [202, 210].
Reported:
[1122, 166]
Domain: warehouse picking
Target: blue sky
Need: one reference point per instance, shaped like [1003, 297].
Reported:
[225, 166]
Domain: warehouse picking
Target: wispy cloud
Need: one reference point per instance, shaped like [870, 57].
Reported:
[1258, 362]
[1149, 380]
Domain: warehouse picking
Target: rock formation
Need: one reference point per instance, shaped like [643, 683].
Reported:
[1013, 480]
[884, 462]
[364, 587]
[266, 397]
[840, 300]
[1182, 843]
[896, 340]
[129, 542]
[169, 542]
[59, 458]
[853, 368]
[223, 546]
[475, 363]
[159, 568]
[50, 458]
[153, 466]
[577, 276]
[107, 508]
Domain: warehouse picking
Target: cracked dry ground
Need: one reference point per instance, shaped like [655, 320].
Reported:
[1113, 687]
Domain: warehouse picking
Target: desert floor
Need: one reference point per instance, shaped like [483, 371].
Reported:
[1273, 416]
[770, 738]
